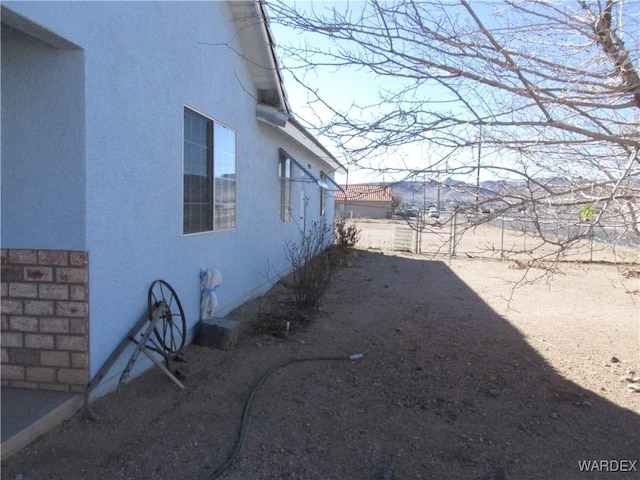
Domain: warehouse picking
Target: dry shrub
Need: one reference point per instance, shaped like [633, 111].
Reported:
[312, 270]
[343, 235]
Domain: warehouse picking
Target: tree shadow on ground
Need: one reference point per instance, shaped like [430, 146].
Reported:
[447, 389]
[459, 390]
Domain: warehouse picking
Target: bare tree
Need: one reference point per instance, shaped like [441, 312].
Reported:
[545, 94]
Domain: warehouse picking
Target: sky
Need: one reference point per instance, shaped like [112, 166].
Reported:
[345, 87]
[515, 116]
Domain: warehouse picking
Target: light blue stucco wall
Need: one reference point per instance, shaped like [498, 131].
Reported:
[43, 168]
[143, 63]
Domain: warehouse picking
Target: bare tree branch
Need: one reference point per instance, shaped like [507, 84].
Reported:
[553, 87]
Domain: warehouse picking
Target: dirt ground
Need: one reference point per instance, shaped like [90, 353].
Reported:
[463, 376]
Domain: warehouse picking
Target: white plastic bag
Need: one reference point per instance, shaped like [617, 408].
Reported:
[209, 282]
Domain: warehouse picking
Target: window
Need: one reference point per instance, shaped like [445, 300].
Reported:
[323, 194]
[209, 201]
[224, 169]
[285, 186]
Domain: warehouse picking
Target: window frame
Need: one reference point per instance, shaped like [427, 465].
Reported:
[217, 161]
[285, 166]
[211, 221]
[323, 195]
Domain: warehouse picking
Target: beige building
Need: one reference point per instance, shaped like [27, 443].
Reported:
[364, 201]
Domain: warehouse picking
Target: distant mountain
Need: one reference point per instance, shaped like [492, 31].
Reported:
[450, 193]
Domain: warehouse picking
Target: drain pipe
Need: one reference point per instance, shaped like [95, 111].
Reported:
[247, 407]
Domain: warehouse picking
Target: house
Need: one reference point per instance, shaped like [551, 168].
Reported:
[140, 141]
[365, 201]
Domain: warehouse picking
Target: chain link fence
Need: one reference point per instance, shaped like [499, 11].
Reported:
[505, 237]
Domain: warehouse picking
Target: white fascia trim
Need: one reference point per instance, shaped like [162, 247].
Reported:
[283, 122]
[302, 137]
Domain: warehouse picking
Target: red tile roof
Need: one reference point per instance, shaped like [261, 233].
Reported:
[365, 193]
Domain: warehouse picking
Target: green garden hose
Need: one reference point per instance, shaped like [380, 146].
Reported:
[247, 407]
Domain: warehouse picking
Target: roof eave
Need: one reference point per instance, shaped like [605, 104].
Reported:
[289, 126]
[273, 106]
[259, 49]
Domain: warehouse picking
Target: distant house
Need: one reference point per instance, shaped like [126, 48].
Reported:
[364, 201]
[140, 141]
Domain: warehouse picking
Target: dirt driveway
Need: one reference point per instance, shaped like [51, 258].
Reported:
[463, 377]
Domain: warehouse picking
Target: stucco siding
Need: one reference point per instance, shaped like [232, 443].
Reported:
[364, 209]
[144, 62]
[43, 163]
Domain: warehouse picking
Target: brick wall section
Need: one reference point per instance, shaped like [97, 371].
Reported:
[45, 319]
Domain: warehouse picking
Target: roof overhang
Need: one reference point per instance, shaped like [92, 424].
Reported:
[23, 24]
[287, 124]
[258, 48]
[272, 104]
